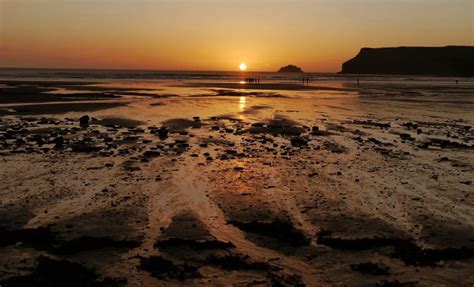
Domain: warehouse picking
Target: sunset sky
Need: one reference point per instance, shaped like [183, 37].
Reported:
[317, 35]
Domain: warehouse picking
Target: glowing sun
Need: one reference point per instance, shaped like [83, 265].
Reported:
[243, 67]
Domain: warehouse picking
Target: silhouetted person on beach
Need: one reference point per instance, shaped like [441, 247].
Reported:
[357, 81]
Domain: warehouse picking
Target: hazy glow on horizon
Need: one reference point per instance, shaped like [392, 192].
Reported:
[317, 35]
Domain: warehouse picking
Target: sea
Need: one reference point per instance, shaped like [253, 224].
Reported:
[213, 76]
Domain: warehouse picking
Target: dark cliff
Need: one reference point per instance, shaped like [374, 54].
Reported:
[439, 61]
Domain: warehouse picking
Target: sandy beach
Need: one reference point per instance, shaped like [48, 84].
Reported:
[158, 183]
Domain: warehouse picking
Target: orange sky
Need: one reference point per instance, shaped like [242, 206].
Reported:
[317, 35]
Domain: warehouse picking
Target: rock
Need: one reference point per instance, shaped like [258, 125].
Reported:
[257, 125]
[151, 153]
[20, 142]
[58, 142]
[290, 69]
[163, 132]
[374, 269]
[299, 141]
[406, 137]
[39, 140]
[84, 146]
[84, 121]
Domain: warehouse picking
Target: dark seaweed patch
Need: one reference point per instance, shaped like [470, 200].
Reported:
[194, 244]
[406, 250]
[162, 268]
[283, 231]
[58, 273]
[375, 269]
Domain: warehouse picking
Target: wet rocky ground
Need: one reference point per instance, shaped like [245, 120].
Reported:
[329, 200]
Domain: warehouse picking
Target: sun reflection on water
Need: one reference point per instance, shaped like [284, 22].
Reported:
[242, 101]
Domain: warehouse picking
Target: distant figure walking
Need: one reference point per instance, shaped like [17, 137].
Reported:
[457, 81]
[357, 81]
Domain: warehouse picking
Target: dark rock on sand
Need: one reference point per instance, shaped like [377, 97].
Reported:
[163, 132]
[180, 125]
[299, 142]
[334, 147]
[151, 153]
[85, 146]
[58, 142]
[279, 125]
[407, 137]
[443, 143]
[84, 121]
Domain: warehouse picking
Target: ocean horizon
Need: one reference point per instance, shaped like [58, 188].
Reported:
[9, 73]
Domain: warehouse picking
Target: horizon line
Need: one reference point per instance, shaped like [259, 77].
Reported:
[152, 70]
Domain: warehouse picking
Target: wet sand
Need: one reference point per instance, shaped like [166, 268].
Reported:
[330, 184]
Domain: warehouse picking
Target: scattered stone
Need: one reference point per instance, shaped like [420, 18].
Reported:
[84, 121]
